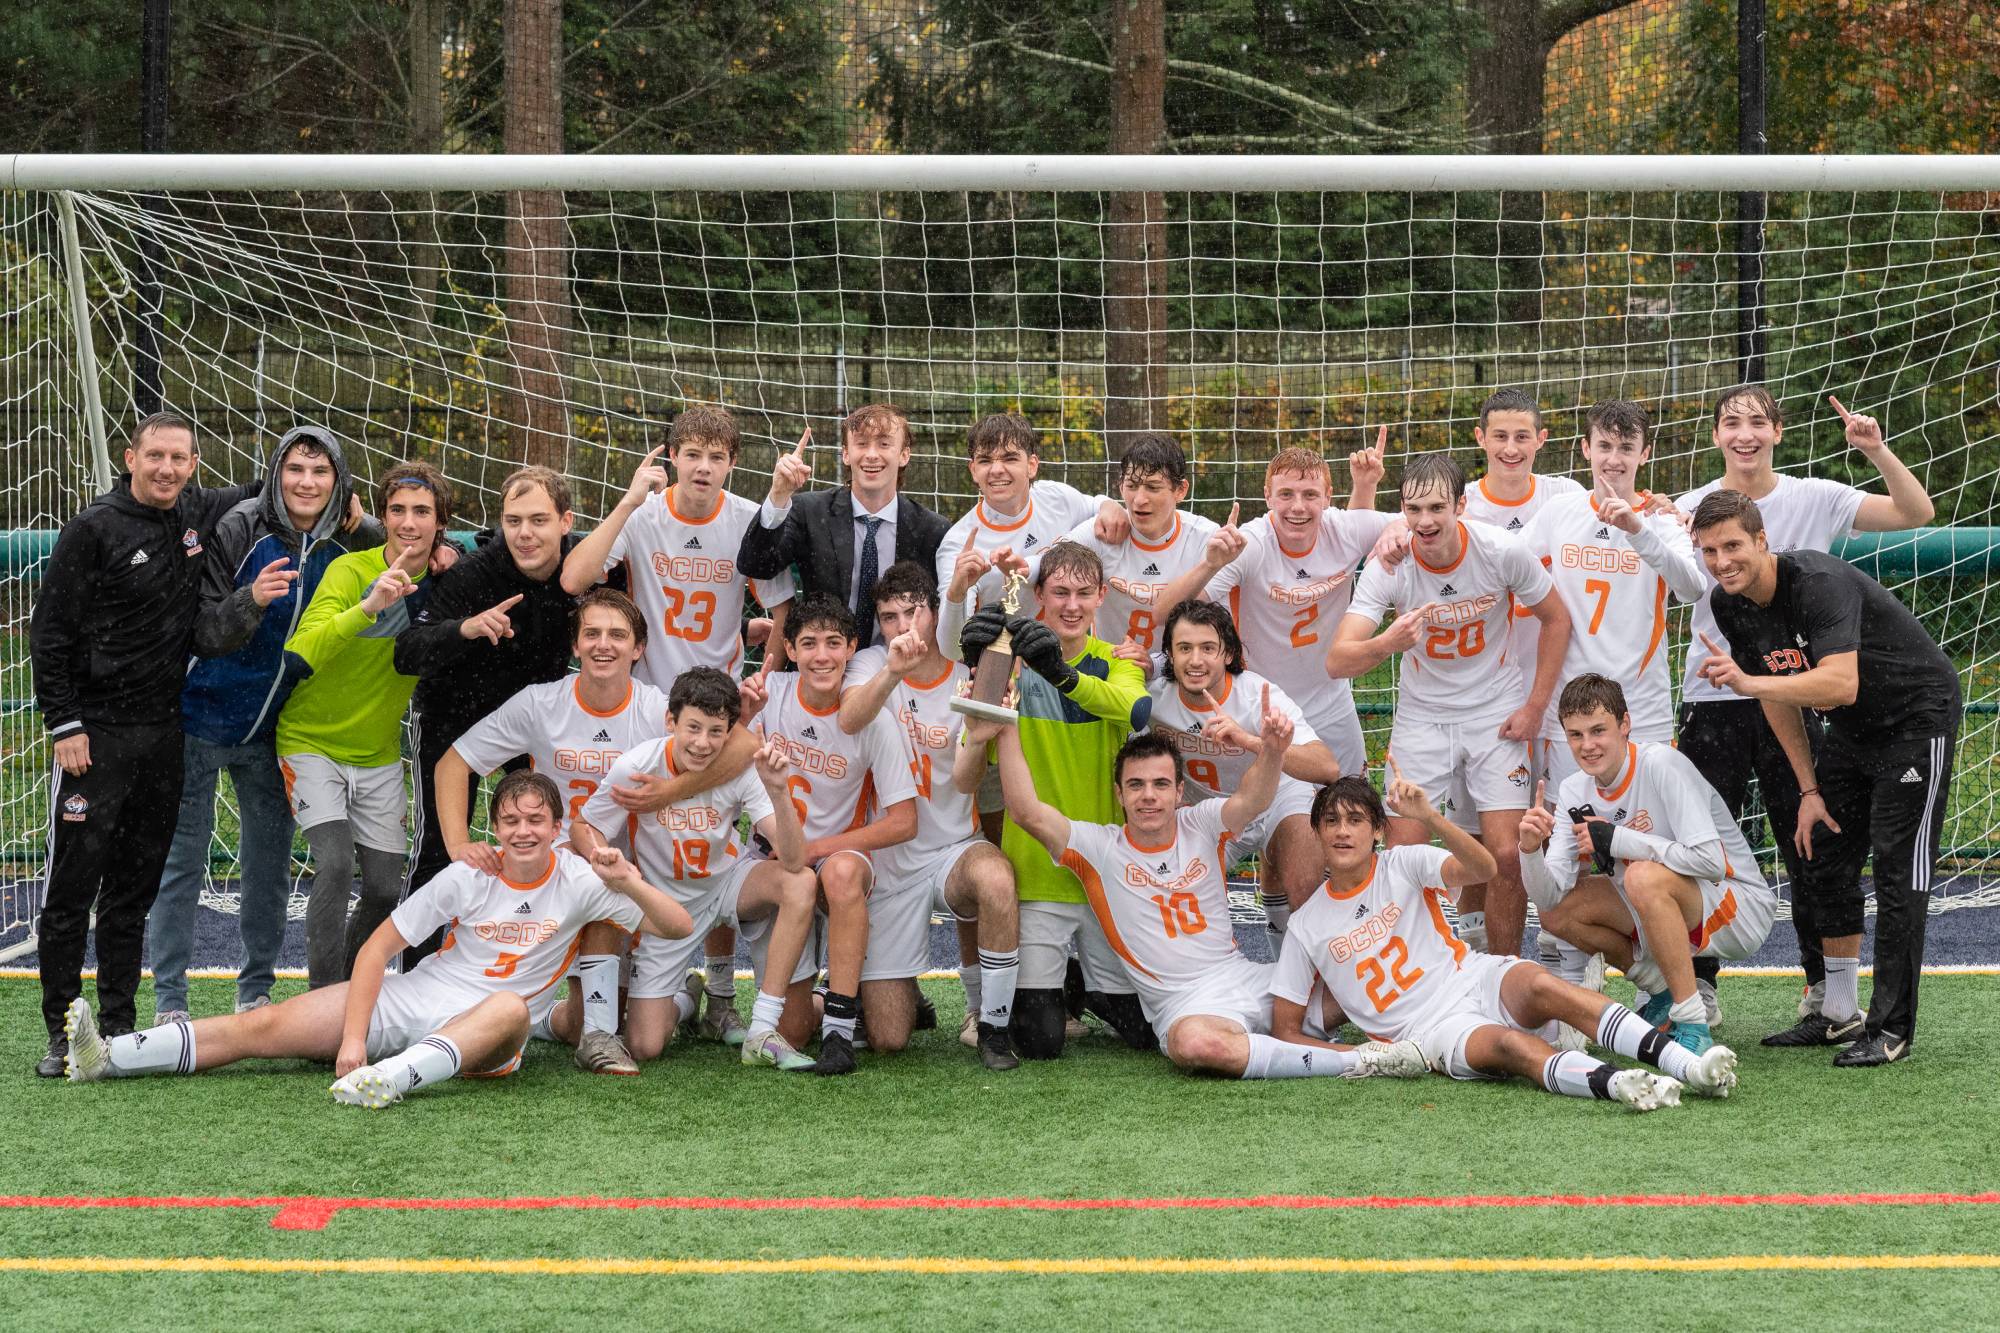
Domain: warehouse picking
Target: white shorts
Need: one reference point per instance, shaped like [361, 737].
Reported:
[660, 967]
[1237, 991]
[370, 799]
[1293, 798]
[412, 1005]
[1332, 716]
[1464, 766]
[899, 916]
[1735, 919]
[1047, 932]
[1475, 1004]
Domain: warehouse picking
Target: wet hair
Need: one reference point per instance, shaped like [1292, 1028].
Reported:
[705, 423]
[618, 602]
[417, 475]
[1722, 506]
[553, 484]
[707, 690]
[1428, 470]
[153, 421]
[1509, 400]
[1146, 745]
[1303, 461]
[1352, 792]
[1590, 692]
[1195, 611]
[510, 789]
[907, 578]
[818, 610]
[1756, 395]
[1153, 453]
[874, 414]
[1071, 558]
[1618, 419]
[1000, 431]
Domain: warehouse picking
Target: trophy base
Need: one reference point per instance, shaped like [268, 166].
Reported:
[972, 707]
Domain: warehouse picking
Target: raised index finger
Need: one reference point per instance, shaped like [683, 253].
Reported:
[509, 604]
[1234, 510]
[1382, 437]
[654, 456]
[1845, 415]
[804, 440]
[1541, 792]
[1711, 645]
[275, 565]
[1394, 771]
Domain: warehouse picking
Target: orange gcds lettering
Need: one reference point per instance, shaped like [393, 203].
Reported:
[516, 932]
[1786, 659]
[586, 761]
[1600, 559]
[1366, 937]
[693, 568]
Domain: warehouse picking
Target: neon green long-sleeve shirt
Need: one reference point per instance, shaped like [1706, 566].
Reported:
[350, 709]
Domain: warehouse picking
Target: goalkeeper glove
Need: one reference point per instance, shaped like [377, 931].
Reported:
[1038, 648]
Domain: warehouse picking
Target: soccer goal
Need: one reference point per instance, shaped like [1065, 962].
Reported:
[482, 311]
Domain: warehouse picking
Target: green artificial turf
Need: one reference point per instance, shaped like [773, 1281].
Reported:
[1101, 1123]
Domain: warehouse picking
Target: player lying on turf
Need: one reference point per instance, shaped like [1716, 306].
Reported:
[691, 850]
[1155, 883]
[469, 1007]
[1682, 882]
[1377, 938]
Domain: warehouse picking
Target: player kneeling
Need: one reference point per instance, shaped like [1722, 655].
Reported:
[1155, 884]
[1376, 935]
[693, 845]
[1675, 879]
[469, 1007]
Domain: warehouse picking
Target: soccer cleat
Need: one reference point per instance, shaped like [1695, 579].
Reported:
[1075, 1029]
[1713, 1074]
[366, 1086]
[968, 1032]
[604, 1053]
[1656, 1009]
[54, 1064]
[1711, 1004]
[836, 1055]
[1816, 1029]
[768, 1048]
[1881, 1049]
[692, 987]
[162, 1017]
[1812, 1000]
[1593, 973]
[926, 1018]
[1389, 1059]
[720, 1022]
[1643, 1090]
[1567, 1038]
[242, 1007]
[89, 1057]
[1473, 937]
[995, 1051]
[1694, 1036]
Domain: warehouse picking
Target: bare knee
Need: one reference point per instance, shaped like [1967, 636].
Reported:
[843, 882]
[602, 937]
[1197, 1046]
[1648, 879]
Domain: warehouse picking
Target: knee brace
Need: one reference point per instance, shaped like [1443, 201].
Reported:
[1125, 1016]
[1037, 1025]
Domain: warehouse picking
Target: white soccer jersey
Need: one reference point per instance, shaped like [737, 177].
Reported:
[1383, 949]
[1053, 509]
[1665, 811]
[1615, 585]
[1460, 668]
[1800, 514]
[1136, 573]
[1215, 769]
[1287, 604]
[506, 936]
[565, 740]
[682, 573]
[946, 816]
[685, 848]
[1164, 910]
[838, 782]
[1514, 516]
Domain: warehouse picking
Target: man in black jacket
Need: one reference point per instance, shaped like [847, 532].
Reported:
[835, 538]
[497, 622]
[109, 636]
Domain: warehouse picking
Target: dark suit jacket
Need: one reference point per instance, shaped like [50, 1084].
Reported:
[817, 537]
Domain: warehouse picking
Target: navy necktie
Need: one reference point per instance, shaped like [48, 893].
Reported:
[864, 596]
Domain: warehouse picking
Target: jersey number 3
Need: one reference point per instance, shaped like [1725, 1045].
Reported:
[700, 606]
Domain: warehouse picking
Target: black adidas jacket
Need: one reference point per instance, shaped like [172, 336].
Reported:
[115, 615]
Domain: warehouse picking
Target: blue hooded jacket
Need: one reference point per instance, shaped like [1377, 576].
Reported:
[241, 675]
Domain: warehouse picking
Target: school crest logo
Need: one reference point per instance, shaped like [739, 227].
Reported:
[191, 542]
[76, 808]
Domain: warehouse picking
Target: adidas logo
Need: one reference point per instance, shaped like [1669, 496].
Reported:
[1161, 868]
[596, 997]
[525, 909]
[1194, 727]
[1306, 1060]
[1029, 542]
[138, 1039]
[602, 737]
[693, 544]
[810, 734]
[1302, 574]
[1513, 525]
[1603, 533]
[1360, 910]
[1447, 591]
[415, 1079]
[1910, 775]
[1151, 569]
[140, 557]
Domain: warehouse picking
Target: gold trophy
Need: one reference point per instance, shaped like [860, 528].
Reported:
[995, 668]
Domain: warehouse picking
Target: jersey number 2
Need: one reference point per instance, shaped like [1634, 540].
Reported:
[1374, 975]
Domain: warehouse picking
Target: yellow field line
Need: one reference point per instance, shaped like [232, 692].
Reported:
[940, 974]
[945, 1266]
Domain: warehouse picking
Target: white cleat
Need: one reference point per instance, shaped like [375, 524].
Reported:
[1389, 1059]
[1714, 1072]
[1567, 1038]
[89, 1057]
[768, 1048]
[1593, 973]
[367, 1086]
[1643, 1090]
[968, 1035]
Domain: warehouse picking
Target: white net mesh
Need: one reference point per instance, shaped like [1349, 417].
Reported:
[1276, 320]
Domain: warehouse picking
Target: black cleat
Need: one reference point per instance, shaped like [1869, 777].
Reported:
[836, 1055]
[1880, 1049]
[926, 1018]
[995, 1051]
[56, 1063]
[1819, 1030]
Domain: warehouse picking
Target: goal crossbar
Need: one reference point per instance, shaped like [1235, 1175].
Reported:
[1028, 172]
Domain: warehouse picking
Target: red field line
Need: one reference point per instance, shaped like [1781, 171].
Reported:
[313, 1212]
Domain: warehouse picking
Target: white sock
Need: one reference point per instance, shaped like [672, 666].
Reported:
[1573, 1074]
[1277, 910]
[1645, 974]
[997, 974]
[684, 1006]
[161, 1050]
[1271, 1058]
[1573, 964]
[599, 973]
[432, 1060]
[1625, 1033]
[1689, 1010]
[765, 1013]
[1843, 989]
[721, 977]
